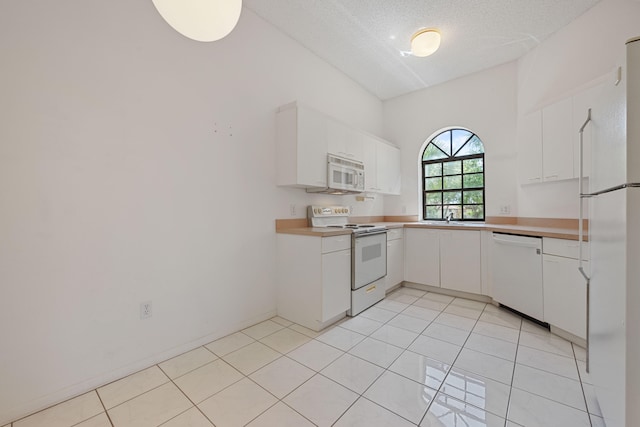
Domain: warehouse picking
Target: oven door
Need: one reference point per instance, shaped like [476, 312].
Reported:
[368, 258]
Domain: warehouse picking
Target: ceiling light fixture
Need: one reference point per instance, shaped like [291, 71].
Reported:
[200, 20]
[425, 42]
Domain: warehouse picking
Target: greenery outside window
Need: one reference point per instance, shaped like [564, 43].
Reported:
[453, 177]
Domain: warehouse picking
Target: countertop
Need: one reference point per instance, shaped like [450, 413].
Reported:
[525, 230]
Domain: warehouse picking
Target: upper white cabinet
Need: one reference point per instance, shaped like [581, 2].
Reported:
[305, 137]
[548, 139]
[388, 168]
[344, 141]
[545, 144]
[530, 148]
[557, 141]
[302, 147]
[382, 166]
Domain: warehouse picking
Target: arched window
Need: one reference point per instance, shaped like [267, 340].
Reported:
[453, 176]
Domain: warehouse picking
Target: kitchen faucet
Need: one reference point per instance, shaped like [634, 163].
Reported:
[449, 216]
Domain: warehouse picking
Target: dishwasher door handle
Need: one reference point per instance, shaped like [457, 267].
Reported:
[513, 243]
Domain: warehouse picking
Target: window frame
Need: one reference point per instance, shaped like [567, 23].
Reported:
[442, 191]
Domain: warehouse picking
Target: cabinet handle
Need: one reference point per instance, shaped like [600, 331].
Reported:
[551, 176]
[371, 289]
[534, 179]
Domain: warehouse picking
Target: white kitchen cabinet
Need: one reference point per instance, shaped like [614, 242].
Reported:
[370, 164]
[301, 147]
[565, 292]
[395, 257]
[314, 279]
[422, 256]
[548, 139]
[460, 268]
[336, 283]
[557, 141]
[344, 141]
[530, 148]
[382, 166]
[388, 168]
[450, 259]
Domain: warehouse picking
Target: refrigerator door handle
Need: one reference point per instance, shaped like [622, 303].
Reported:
[610, 189]
[581, 196]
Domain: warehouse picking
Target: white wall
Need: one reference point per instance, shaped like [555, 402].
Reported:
[578, 54]
[138, 165]
[485, 103]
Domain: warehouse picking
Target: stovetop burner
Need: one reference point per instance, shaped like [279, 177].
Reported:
[337, 217]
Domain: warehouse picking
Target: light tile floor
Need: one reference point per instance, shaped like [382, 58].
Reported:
[414, 359]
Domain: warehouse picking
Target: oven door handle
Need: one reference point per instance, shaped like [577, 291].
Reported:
[368, 233]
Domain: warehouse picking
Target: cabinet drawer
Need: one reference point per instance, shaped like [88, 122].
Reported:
[395, 233]
[565, 248]
[336, 243]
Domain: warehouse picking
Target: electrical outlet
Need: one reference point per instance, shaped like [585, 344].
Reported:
[292, 209]
[505, 209]
[146, 310]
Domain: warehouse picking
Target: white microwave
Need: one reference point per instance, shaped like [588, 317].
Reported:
[344, 176]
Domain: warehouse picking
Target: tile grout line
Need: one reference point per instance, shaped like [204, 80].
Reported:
[584, 394]
[513, 375]
[362, 395]
[105, 408]
[453, 363]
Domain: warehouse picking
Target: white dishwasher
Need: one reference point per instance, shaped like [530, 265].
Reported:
[517, 273]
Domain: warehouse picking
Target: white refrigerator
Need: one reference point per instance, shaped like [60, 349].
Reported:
[614, 235]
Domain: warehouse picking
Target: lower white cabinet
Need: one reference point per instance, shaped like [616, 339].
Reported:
[395, 257]
[314, 279]
[422, 256]
[565, 292]
[450, 259]
[460, 261]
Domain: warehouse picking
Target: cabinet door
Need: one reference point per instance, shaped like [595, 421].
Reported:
[336, 283]
[557, 141]
[530, 148]
[388, 161]
[395, 262]
[311, 148]
[460, 261]
[370, 164]
[565, 295]
[422, 256]
[344, 141]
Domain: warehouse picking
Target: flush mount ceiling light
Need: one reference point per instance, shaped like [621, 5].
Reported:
[425, 42]
[200, 20]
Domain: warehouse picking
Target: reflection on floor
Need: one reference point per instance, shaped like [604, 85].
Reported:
[415, 358]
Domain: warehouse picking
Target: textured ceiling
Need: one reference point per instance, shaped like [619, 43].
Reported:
[369, 39]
